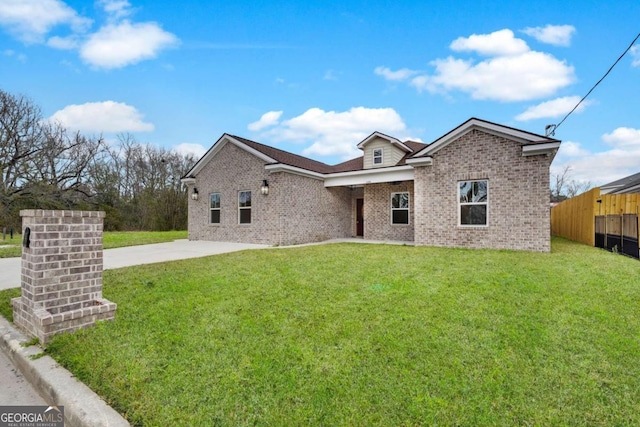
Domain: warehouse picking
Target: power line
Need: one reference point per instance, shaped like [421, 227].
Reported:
[551, 129]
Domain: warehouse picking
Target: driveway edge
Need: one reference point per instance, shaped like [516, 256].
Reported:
[82, 406]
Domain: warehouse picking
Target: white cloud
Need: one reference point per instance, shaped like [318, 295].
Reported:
[399, 75]
[107, 116]
[332, 133]
[512, 72]
[119, 45]
[498, 43]
[116, 8]
[268, 119]
[554, 108]
[19, 56]
[558, 35]
[571, 149]
[115, 45]
[635, 54]
[623, 137]
[31, 20]
[189, 148]
[622, 159]
[523, 77]
[64, 43]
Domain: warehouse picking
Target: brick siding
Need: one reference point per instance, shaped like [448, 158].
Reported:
[377, 212]
[297, 209]
[61, 279]
[518, 195]
[300, 209]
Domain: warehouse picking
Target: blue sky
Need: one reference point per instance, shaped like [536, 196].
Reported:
[315, 78]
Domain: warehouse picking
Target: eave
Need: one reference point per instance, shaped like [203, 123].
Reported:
[420, 161]
[537, 149]
[281, 167]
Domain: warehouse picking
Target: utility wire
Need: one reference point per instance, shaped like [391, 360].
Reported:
[555, 127]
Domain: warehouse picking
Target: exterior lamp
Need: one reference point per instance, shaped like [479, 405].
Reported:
[265, 187]
[194, 195]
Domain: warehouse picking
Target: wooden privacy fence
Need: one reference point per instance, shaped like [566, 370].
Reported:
[575, 218]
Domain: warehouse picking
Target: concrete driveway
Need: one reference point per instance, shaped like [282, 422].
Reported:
[136, 255]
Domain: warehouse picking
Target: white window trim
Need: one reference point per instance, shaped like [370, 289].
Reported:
[374, 156]
[244, 207]
[408, 209]
[215, 209]
[476, 203]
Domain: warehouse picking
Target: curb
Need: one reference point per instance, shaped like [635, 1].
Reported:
[82, 406]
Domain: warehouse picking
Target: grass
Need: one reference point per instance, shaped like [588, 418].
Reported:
[11, 247]
[110, 240]
[119, 239]
[369, 335]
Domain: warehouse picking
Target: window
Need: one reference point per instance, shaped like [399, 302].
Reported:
[472, 199]
[377, 156]
[244, 207]
[399, 208]
[214, 208]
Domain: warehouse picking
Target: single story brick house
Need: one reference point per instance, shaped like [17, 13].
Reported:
[481, 185]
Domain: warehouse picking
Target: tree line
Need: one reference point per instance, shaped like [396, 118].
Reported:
[43, 165]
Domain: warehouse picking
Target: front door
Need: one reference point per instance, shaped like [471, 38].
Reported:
[359, 217]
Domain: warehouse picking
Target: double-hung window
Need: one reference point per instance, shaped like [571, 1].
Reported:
[473, 202]
[377, 156]
[214, 208]
[244, 207]
[400, 208]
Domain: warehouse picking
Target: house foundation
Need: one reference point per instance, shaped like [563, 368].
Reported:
[61, 280]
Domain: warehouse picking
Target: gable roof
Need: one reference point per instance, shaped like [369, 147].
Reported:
[524, 137]
[391, 140]
[627, 184]
[416, 153]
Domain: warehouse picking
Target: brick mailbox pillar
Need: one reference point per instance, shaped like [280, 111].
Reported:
[61, 273]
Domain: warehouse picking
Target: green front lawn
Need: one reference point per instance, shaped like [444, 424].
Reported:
[352, 334]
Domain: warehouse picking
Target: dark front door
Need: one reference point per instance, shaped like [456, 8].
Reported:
[359, 217]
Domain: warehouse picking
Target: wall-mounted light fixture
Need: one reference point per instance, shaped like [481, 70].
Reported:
[194, 195]
[265, 187]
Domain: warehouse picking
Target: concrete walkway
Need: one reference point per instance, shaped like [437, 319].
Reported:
[137, 255]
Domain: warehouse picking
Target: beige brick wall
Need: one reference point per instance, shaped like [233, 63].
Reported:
[518, 195]
[377, 212]
[61, 283]
[297, 209]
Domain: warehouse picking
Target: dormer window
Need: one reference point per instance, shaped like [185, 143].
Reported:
[377, 156]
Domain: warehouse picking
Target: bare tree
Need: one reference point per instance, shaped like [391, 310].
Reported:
[563, 186]
[21, 138]
[44, 165]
